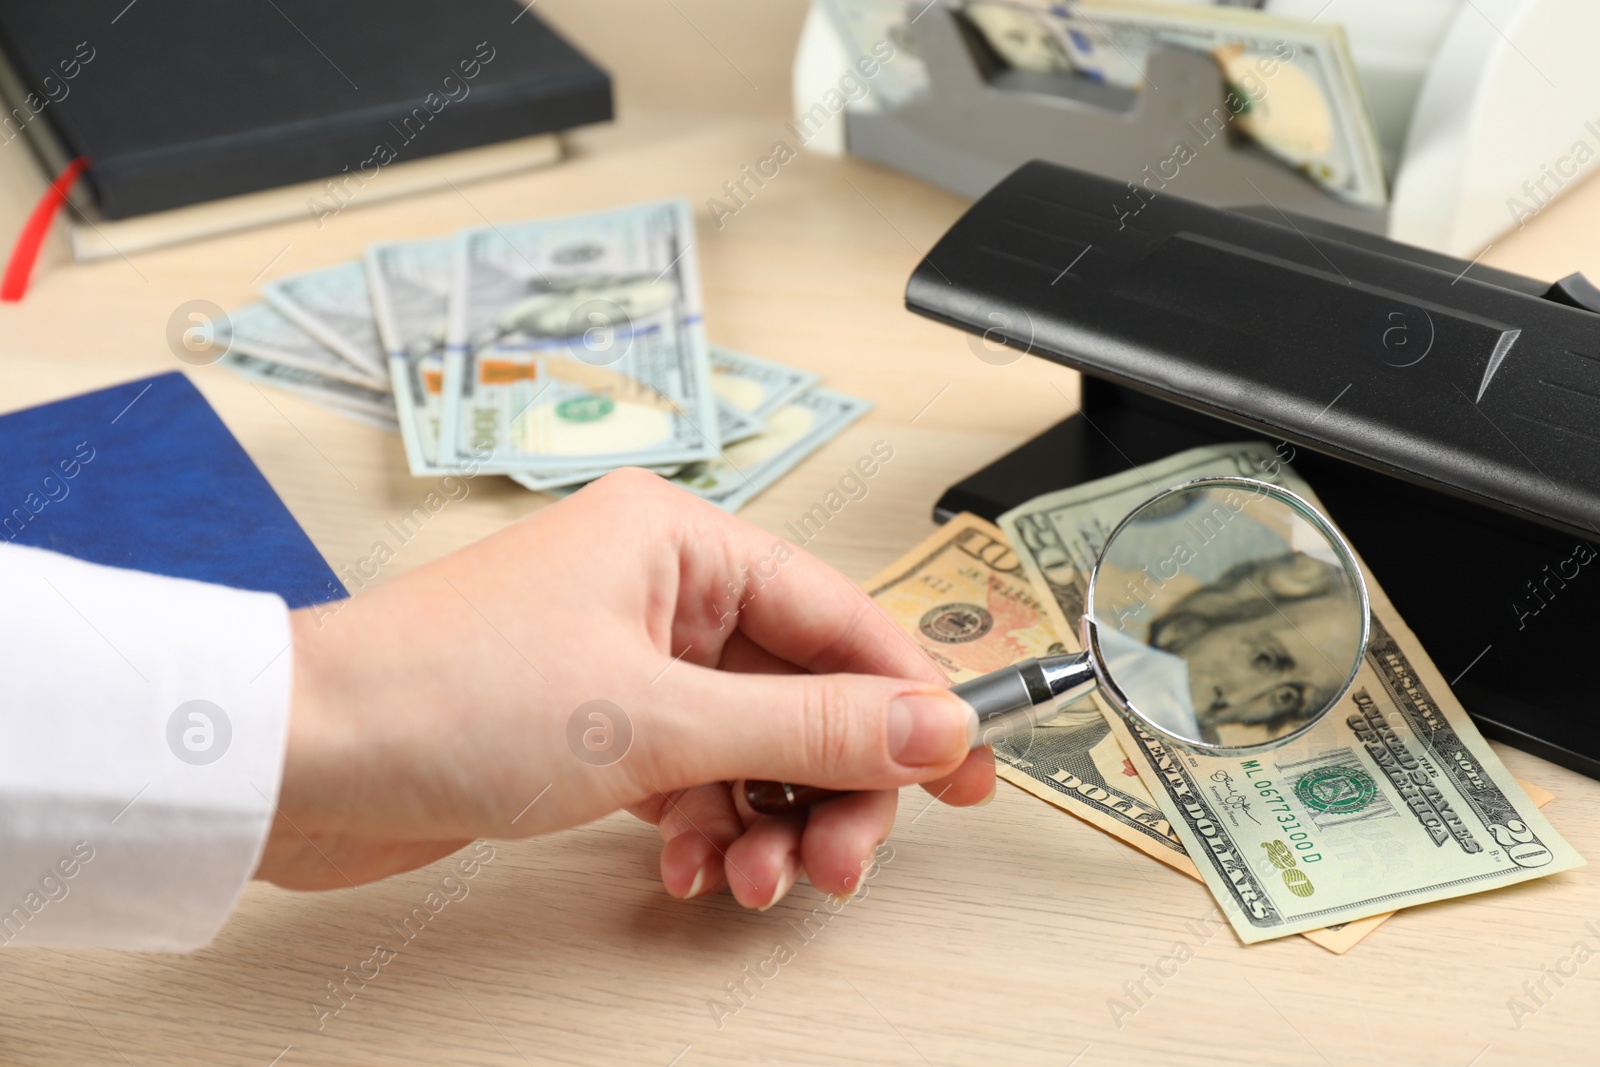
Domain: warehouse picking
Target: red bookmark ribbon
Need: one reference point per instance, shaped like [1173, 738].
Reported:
[26, 251]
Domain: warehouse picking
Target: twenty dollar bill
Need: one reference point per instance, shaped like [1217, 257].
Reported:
[1393, 799]
[962, 598]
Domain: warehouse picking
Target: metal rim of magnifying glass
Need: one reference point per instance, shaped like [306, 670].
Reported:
[1259, 488]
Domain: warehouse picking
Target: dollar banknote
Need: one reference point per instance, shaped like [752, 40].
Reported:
[734, 424]
[1299, 95]
[1021, 37]
[879, 31]
[356, 401]
[793, 432]
[576, 344]
[1393, 799]
[758, 386]
[747, 390]
[961, 597]
[333, 305]
[409, 285]
[265, 333]
[580, 349]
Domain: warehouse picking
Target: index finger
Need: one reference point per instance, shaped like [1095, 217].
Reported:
[794, 605]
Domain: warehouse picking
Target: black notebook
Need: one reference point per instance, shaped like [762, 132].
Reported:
[176, 102]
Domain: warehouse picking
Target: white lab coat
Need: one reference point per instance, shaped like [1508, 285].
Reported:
[132, 816]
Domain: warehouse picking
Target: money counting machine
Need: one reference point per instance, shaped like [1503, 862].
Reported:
[1477, 107]
[1448, 414]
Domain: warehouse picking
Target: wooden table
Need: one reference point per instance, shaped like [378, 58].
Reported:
[995, 935]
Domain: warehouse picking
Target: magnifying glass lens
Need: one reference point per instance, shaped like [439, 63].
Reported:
[1227, 614]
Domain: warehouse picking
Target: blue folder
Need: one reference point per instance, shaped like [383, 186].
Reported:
[144, 475]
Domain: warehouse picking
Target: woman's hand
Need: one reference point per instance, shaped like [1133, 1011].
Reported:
[631, 647]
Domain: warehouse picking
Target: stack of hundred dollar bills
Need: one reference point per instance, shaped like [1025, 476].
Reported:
[551, 351]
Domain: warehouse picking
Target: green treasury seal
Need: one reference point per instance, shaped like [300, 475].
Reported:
[1340, 790]
[584, 408]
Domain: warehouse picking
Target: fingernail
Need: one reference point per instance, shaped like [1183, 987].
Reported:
[852, 885]
[993, 789]
[928, 728]
[791, 871]
[698, 885]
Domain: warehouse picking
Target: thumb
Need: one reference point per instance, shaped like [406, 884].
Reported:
[837, 731]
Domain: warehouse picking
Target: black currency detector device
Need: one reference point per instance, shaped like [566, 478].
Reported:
[1447, 413]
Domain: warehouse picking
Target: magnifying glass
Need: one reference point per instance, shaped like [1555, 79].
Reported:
[1225, 615]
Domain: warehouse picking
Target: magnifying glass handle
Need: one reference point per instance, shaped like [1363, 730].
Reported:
[1005, 702]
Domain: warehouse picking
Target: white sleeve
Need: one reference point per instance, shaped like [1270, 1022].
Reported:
[144, 720]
